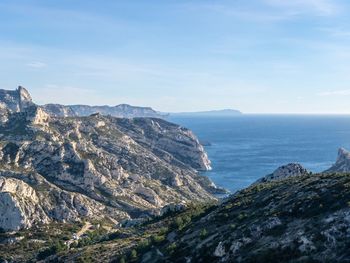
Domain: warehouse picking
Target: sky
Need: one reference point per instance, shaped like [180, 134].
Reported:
[257, 56]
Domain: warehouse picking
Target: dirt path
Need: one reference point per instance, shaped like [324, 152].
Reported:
[77, 236]
[82, 231]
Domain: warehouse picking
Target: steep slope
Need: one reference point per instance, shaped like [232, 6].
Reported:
[303, 218]
[297, 219]
[124, 167]
[342, 163]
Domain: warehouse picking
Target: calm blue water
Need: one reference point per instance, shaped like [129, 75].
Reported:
[245, 148]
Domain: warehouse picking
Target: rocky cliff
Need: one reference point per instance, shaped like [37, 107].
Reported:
[93, 166]
[342, 163]
[13, 101]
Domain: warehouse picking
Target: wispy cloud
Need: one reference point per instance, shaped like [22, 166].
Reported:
[238, 12]
[37, 64]
[317, 7]
[345, 92]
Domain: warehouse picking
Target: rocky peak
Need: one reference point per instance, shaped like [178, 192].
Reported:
[289, 170]
[15, 100]
[342, 163]
[25, 100]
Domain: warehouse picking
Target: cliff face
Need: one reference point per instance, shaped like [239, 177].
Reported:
[95, 166]
[13, 101]
[342, 163]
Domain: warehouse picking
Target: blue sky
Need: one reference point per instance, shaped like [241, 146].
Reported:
[258, 56]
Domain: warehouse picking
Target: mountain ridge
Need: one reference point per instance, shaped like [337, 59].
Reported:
[94, 166]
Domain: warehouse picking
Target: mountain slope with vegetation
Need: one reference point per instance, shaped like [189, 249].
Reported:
[303, 218]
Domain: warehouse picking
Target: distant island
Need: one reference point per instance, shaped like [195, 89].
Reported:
[213, 113]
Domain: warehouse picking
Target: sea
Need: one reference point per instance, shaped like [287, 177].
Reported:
[246, 147]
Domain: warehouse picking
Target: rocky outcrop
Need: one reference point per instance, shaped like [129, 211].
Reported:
[19, 205]
[97, 166]
[289, 170]
[28, 199]
[15, 100]
[343, 162]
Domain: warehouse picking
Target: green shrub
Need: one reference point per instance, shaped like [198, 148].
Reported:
[133, 254]
[158, 238]
[203, 234]
[170, 249]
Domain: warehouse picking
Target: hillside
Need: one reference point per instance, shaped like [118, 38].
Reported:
[302, 218]
[296, 219]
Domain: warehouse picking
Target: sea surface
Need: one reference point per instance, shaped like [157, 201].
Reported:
[246, 147]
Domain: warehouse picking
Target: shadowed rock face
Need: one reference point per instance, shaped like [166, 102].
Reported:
[343, 162]
[94, 166]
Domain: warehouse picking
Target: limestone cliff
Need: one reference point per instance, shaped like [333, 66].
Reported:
[342, 163]
[95, 166]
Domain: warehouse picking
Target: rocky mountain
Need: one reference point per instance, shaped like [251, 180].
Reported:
[343, 162]
[19, 99]
[289, 170]
[55, 169]
[122, 111]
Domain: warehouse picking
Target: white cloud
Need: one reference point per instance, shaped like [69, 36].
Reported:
[345, 92]
[37, 64]
[318, 7]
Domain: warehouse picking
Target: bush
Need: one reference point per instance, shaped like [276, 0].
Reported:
[203, 234]
[133, 254]
[179, 223]
[171, 248]
[158, 238]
